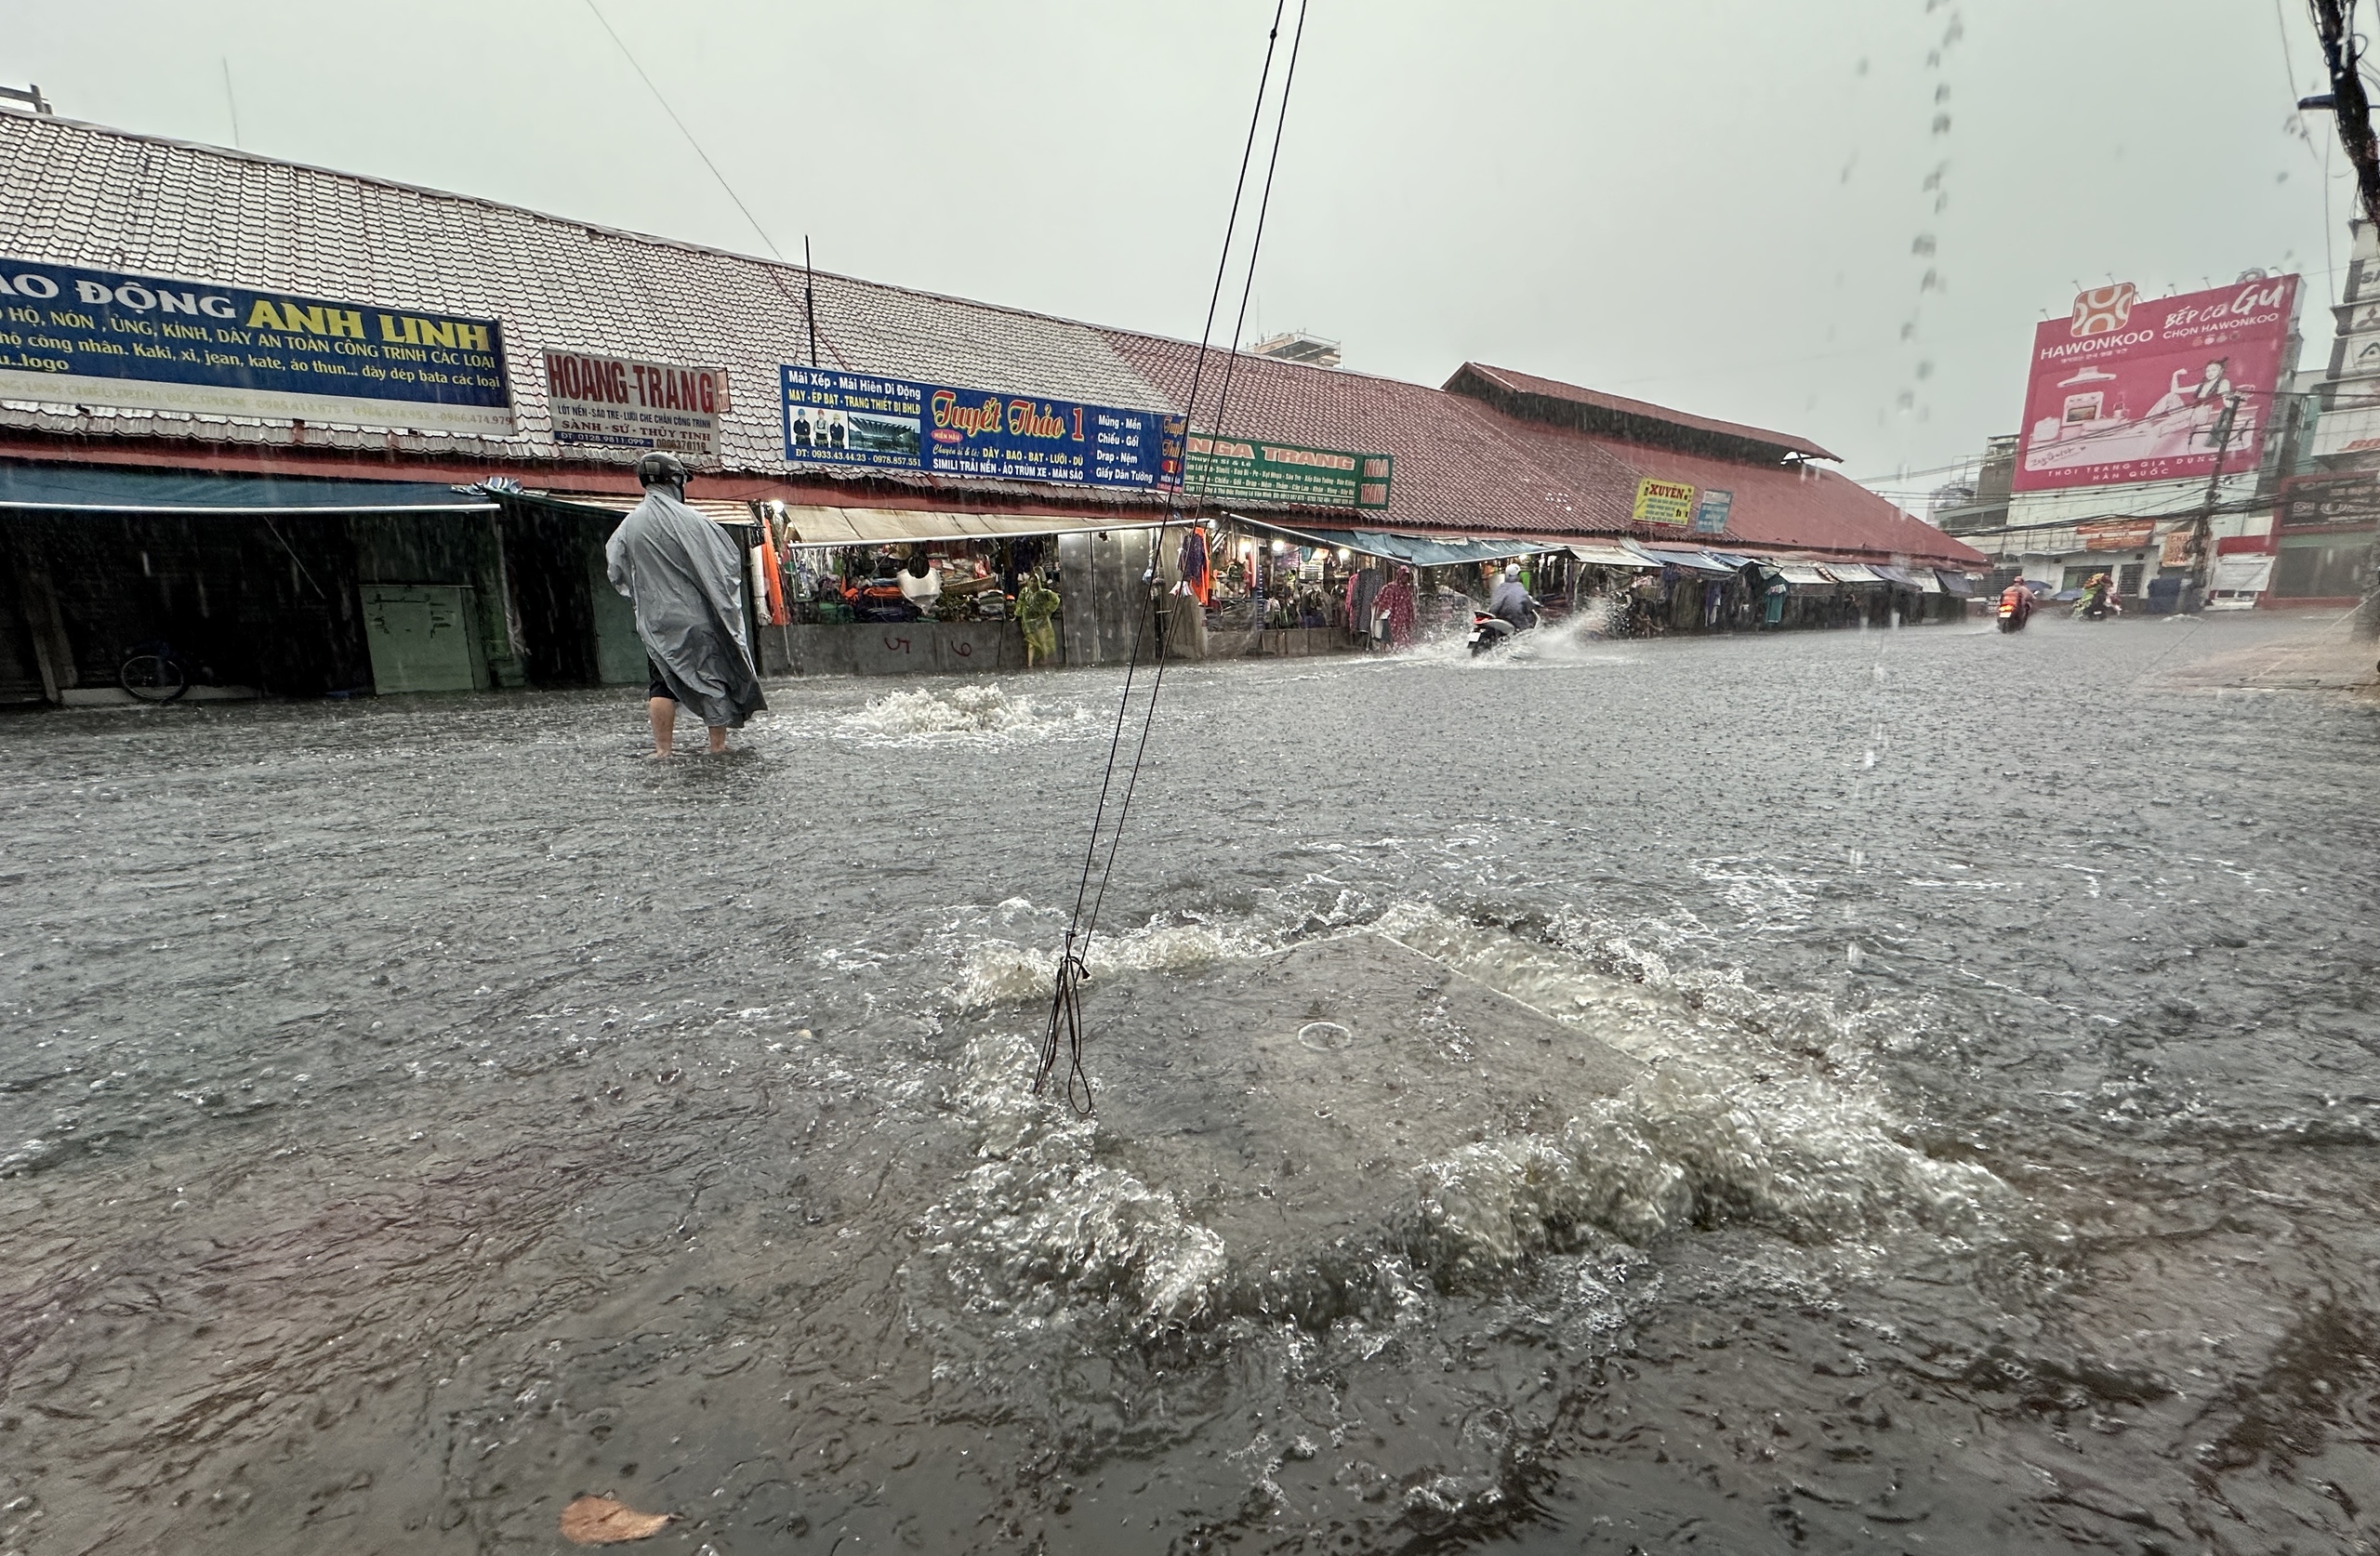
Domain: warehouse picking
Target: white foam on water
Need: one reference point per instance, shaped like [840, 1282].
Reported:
[983, 713]
[1041, 1227]
[1752, 1111]
[994, 972]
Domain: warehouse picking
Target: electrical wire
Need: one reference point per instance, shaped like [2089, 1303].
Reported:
[636, 65]
[1066, 1023]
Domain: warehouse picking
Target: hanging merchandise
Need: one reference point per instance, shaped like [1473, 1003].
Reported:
[1196, 576]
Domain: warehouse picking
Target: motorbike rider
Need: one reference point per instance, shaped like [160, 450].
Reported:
[2099, 598]
[2017, 600]
[1512, 600]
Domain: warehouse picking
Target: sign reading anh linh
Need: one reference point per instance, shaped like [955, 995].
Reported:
[81, 337]
[1663, 502]
[1249, 471]
[622, 403]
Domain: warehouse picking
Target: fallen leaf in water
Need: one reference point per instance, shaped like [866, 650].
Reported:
[601, 1521]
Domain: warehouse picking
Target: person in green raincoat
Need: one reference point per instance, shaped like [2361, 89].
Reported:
[1036, 603]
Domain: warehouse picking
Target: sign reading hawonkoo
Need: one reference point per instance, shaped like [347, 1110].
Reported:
[1243, 470]
[621, 402]
[106, 338]
[833, 418]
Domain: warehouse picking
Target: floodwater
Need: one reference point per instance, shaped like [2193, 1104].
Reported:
[1892, 1091]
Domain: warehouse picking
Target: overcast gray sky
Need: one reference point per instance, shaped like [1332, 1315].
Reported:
[1718, 204]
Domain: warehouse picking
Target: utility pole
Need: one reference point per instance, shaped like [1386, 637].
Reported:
[2334, 20]
[2201, 532]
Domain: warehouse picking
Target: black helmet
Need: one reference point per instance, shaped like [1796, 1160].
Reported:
[662, 469]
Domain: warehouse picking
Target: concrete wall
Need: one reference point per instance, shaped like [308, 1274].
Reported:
[907, 648]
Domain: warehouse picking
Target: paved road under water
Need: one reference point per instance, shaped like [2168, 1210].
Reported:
[415, 1113]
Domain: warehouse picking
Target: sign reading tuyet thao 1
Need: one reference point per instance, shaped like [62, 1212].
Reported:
[109, 337]
[834, 417]
[622, 403]
[1245, 471]
[2127, 391]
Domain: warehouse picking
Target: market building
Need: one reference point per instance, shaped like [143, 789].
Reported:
[295, 431]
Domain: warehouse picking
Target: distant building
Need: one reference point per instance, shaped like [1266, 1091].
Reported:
[1981, 503]
[2322, 548]
[1298, 346]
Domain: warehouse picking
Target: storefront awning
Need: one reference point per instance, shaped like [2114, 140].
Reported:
[1848, 573]
[880, 526]
[1418, 551]
[1901, 575]
[124, 489]
[1954, 582]
[1803, 573]
[1606, 553]
[817, 526]
[1678, 555]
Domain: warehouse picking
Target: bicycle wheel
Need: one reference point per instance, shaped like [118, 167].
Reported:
[153, 677]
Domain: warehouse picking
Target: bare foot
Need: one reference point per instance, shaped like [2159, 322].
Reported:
[657, 756]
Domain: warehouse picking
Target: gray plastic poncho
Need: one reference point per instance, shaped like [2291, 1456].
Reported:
[684, 575]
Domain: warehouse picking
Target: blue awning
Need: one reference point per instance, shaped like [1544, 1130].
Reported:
[1677, 556]
[1953, 583]
[131, 488]
[1418, 550]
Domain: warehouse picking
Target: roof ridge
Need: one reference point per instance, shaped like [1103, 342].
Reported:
[1504, 377]
[232, 153]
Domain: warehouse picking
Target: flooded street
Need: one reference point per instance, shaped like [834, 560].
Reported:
[1937, 1115]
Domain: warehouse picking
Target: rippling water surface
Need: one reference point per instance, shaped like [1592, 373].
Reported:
[1891, 1090]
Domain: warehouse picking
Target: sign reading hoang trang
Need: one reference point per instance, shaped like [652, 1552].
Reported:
[834, 417]
[1245, 471]
[105, 337]
[609, 402]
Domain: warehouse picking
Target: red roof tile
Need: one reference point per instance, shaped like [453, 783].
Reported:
[1458, 465]
[1775, 507]
[1617, 415]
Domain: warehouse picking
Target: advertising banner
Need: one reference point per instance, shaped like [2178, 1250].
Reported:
[2128, 390]
[105, 337]
[1663, 502]
[1711, 513]
[2115, 534]
[2352, 498]
[1245, 471]
[833, 418]
[622, 403]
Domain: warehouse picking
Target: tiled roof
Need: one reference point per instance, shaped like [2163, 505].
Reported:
[1458, 465]
[86, 195]
[1774, 507]
[1613, 414]
[80, 195]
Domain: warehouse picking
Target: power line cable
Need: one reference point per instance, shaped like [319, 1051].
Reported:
[636, 65]
[1066, 1000]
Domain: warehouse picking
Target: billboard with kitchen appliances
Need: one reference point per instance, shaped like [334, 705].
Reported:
[2129, 388]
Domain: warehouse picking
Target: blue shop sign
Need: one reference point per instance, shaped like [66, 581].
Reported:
[108, 337]
[1710, 512]
[834, 417]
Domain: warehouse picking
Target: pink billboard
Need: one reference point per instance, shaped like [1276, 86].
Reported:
[2128, 390]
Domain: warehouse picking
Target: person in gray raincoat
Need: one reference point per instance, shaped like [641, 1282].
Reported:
[684, 575]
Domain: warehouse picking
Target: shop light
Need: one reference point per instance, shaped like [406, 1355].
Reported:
[1344, 554]
[1279, 546]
